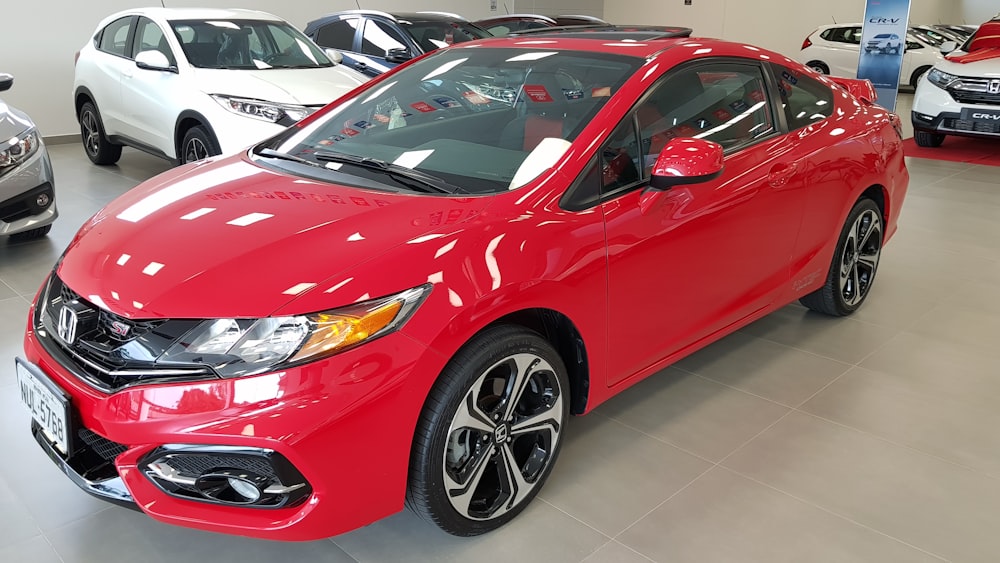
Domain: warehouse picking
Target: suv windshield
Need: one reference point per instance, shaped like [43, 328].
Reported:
[475, 120]
[246, 44]
[431, 35]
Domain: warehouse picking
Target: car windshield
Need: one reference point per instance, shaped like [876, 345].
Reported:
[246, 44]
[476, 120]
[431, 35]
[882, 36]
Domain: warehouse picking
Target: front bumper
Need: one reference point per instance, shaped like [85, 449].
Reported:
[936, 111]
[20, 190]
[345, 423]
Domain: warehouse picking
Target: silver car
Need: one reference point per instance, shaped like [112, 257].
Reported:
[27, 188]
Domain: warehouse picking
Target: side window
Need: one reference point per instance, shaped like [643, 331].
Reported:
[805, 100]
[828, 34]
[722, 102]
[913, 45]
[378, 38]
[619, 159]
[114, 38]
[149, 37]
[586, 191]
[853, 35]
[338, 34]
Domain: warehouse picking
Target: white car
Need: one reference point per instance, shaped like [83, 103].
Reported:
[185, 84]
[961, 94]
[835, 49]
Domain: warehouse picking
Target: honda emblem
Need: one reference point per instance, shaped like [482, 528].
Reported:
[994, 87]
[66, 329]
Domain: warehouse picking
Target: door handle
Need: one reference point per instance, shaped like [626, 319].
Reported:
[780, 174]
[127, 73]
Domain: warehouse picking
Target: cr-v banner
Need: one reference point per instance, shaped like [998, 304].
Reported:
[883, 41]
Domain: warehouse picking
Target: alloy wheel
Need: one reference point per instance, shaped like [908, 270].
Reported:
[859, 257]
[91, 133]
[195, 149]
[503, 437]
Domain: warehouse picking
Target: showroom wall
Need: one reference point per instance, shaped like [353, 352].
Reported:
[780, 25]
[978, 11]
[42, 63]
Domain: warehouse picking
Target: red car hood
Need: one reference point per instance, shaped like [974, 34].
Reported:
[231, 239]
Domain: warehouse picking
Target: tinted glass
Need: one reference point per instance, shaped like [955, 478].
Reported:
[150, 38]
[435, 35]
[619, 158]
[804, 99]
[115, 36]
[246, 44]
[378, 38]
[487, 120]
[338, 35]
[725, 102]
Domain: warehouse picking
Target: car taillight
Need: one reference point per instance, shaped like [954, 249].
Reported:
[806, 43]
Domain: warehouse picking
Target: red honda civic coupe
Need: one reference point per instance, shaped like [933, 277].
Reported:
[403, 298]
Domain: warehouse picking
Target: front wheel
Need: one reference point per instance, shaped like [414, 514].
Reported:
[928, 139]
[854, 263]
[489, 433]
[198, 144]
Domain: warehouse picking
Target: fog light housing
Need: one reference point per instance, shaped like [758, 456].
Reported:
[43, 200]
[233, 476]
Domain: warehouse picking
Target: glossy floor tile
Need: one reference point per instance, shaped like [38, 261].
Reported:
[800, 438]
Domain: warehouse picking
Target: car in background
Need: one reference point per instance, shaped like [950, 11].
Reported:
[500, 26]
[373, 42]
[186, 84]
[835, 50]
[404, 298]
[27, 186]
[884, 43]
[961, 94]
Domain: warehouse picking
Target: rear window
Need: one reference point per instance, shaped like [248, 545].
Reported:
[436, 35]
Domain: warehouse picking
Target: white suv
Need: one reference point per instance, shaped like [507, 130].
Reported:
[961, 94]
[185, 84]
[835, 49]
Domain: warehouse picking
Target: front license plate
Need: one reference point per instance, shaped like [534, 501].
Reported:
[48, 405]
[977, 114]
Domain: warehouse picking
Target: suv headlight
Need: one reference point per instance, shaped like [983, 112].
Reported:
[259, 109]
[236, 347]
[940, 78]
[17, 149]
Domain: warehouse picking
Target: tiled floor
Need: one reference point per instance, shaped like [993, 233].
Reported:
[800, 438]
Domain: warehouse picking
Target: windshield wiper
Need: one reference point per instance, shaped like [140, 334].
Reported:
[271, 153]
[404, 175]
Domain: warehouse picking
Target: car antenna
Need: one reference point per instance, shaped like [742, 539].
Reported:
[505, 9]
[358, 2]
[834, 18]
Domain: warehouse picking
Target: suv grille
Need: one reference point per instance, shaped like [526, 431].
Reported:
[969, 125]
[109, 351]
[974, 91]
[103, 447]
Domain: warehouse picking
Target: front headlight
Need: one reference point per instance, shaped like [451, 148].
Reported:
[235, 347]
[940, 78]
[17, 149]
[259, 109]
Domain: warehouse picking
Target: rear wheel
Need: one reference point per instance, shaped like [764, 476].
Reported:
[928, 139]
[198, 144]
[855, 262]
[489, 433]
[95, 143]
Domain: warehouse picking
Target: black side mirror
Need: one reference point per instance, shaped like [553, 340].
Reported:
[6, 81]
[398, 55]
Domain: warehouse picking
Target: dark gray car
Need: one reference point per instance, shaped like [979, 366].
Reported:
[27, 188]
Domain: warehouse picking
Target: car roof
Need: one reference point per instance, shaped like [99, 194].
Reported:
[609, 33]
[169, 14]
[516, 17]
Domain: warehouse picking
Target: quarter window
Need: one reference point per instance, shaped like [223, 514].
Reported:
[619, 158]
[338, 34]
[805, 100]
[722, 102]
[114, 38]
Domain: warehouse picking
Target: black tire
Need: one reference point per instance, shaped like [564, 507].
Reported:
[500, 403]
[928, 139]
[95, 143]
[854, 265]
[197, 144]
[819, 67]
[917, 75]
[30, 235]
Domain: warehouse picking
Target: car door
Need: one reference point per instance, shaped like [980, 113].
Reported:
[845, 49]
[341, 35]
[150, 96]
[702, 256]
[377, 38]
[110, 62]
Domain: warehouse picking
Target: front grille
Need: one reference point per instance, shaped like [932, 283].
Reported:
[199, 464]
[970, 125]
[968, 90]
[109, 351]
[103, 447]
